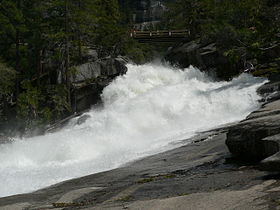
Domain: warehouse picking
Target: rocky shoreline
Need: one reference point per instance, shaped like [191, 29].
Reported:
[257, 137]
[200, 175]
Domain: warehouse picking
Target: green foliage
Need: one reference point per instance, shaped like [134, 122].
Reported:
[239, 28]
[57, 95]
[7, 80]
[58, 28]
[107, 29]
[233, 55]
[28, 103]
[266, 72]
[139, 53]
[7, 87]
[39, 107]
[44, 39]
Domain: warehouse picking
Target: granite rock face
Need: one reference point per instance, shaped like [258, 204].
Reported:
[248, 138]
[107, 67]
[272, 163]
[204, 56]
[91, 78]
[258, 137]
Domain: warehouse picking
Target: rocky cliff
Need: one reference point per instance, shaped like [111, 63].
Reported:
[90, 79]
[231, 48]
[257, 138]
[144, 13]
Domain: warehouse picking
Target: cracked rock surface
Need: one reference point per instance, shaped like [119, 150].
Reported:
[258, 136]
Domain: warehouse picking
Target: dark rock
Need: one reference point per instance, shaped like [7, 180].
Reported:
[60, 124]
[184, 55]
[82, 119]
[112, 66]
[91, 55]
[91, 78]
[203, 55]
[272, 51]
[196, 169]
[209, 55]
[5, 139]
[275, 77]
[249, 139]
[87, 71]
[270, 91]
[272, 163]
[108, 67]
[269, 88]
[156, 11]
[147, 11]
[273, 96]
[85, 95]
[271, 70]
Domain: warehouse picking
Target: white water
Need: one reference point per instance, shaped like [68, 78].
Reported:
[144, 111]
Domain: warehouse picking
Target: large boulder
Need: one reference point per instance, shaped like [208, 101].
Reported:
[91, 78]
[272, 163]
[106, 67]
[205, 56]
[185, 55]
[112, 67]
[247, 139]
[258, 137]
[87, 71]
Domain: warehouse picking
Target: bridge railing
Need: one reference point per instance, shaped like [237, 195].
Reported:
[160, 34]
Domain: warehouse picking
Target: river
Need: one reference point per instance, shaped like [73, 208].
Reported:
[146, 111]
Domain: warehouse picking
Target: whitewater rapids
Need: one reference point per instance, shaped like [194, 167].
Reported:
[145, 112]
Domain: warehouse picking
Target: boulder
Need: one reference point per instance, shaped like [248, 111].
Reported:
[106, 67]
[85, 95]
[257, 137]
[91, 78]
[204, 56]
[185, 55]
[112, 67]
[91, 55]
[209, 56]
[272, 163]
[270, 91]
[269, 88]
[83, 119]
[87, 71]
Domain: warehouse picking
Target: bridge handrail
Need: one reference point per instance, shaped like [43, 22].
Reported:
[135, 34]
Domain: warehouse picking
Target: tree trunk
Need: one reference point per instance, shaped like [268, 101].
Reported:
[79, 37]
[39, 66]
[17, 41]
[67, 55]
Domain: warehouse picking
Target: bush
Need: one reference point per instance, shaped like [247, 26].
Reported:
[7, 88]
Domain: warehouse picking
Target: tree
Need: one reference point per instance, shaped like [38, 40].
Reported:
[43, 40]
[7, 87]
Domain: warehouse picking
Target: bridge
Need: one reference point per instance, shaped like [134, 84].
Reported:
[160, 36]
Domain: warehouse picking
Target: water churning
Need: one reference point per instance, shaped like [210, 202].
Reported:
[145, 111]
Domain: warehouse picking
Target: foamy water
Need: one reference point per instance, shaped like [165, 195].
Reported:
[145, 111]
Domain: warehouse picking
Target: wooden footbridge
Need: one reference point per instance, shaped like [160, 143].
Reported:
[160, 36]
